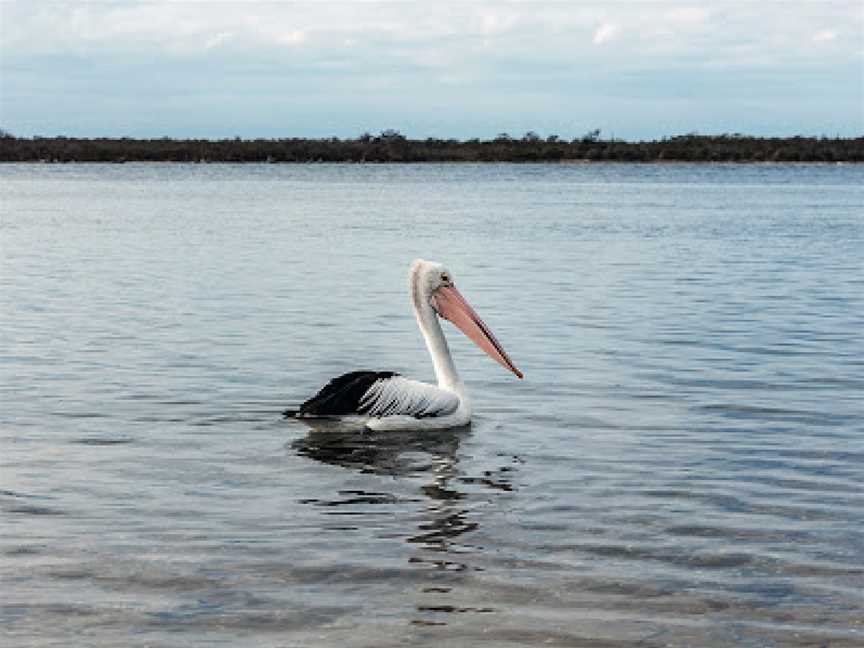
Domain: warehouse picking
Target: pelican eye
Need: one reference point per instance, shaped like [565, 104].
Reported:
[445, 277]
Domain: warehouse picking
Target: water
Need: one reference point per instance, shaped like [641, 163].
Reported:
[682, 466]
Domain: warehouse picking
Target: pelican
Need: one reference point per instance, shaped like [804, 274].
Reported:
[384, 400]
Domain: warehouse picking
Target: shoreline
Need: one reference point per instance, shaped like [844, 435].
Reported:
[392, 147]
[439, 162]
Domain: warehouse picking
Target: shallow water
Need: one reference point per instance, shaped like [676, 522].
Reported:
[682, 466]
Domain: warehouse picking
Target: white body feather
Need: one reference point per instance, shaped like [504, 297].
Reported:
[399, 403]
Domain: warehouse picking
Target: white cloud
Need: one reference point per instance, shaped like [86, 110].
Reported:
[605, 32]
[516, 31]
[217, 39]
[294, 37]
[496, 22]
[688, 15]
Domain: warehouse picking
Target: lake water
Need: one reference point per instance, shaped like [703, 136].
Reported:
[682, 466]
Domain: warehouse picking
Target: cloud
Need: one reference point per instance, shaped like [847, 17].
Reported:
[692, 28]
[512, 64]
[605, 32]
[294, 37]
[496, 22]
[688, 15]
[217, 40]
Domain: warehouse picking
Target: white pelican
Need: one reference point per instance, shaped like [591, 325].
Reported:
[384, 400]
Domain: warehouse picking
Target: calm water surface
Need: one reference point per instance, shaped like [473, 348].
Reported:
[682, 466]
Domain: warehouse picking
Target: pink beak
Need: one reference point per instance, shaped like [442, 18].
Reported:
[451, 305]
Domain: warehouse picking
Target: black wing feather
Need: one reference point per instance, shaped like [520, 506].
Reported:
[342, 395]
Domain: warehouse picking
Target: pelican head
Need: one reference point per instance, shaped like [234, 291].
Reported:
[432, 283]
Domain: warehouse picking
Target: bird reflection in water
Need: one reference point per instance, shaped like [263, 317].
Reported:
[430, 455]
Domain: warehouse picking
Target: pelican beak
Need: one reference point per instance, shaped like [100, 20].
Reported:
[451, 305]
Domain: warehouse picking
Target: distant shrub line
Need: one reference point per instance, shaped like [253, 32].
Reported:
[392, 146]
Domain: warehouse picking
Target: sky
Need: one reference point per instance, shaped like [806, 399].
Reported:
[641, 69]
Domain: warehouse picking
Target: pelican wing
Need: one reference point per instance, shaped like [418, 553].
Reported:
[398, 396]
[377, 393]
[341, 396]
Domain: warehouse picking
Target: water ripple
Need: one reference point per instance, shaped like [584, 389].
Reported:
[681, 467]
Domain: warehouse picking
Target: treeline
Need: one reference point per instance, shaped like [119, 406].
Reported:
[392, 146]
